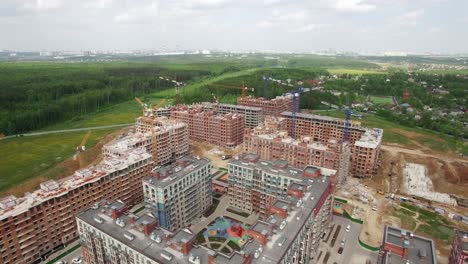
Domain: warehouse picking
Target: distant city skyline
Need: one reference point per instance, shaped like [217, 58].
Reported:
[364, 26]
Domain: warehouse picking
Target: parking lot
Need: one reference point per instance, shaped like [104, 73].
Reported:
[352, 251]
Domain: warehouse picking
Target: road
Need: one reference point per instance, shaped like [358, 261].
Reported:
[352, 251]
[67, 130]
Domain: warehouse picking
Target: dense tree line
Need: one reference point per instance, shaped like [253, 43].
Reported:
[36, 96]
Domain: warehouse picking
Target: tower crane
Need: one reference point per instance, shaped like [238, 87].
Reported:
[296, 105]
[143, 105]
[176, 85]
[347, 123]
[265, 86]
[153, 134]
[81, 147]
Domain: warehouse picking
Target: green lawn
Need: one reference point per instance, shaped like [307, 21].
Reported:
[381, 99]
[121, 113]
[26, 157]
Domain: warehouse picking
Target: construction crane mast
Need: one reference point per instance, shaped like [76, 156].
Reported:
[176, 85]
[153, 134]
[347, 123]
[143, 105]
[295, 106]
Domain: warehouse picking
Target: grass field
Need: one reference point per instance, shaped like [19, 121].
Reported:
[381, 99]
[27, 157]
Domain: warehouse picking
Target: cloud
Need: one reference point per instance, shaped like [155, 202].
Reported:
[354, 5]
[98, 4]
[310, 27]
[434, 30]
[410, 18]
[138, 14]
[39, 5]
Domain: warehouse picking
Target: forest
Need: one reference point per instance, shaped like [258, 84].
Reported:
[34, 96]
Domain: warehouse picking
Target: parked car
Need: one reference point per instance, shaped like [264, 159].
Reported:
[340, 250]
[343, 241]
[77, 260]
[348, 228]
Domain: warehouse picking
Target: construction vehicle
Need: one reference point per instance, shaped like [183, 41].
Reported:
[243, 88]
[82, 147]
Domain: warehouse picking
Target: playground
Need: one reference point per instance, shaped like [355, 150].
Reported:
[225, 235]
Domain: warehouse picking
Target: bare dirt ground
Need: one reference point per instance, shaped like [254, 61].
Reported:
[214, 153]
[66, 167]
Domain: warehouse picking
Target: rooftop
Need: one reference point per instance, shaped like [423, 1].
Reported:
[339, 121]
[370, 139]
[278, 167]
[418, 247]
[48, 190]
[172, 173]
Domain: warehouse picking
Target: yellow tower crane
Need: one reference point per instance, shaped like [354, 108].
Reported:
[243, 88]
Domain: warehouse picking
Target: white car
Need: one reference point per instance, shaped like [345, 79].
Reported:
[348, 228]
[374, 208]
[77, 260]
[343, 241]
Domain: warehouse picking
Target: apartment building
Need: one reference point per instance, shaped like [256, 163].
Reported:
[401, 246]
[364, 143]
[108, 235]
[253, 116]
[179, 193]
[35, 225]
[272, 144]
[272, 107]
[172, 139]
[459, 253]
[255, 184]
[225, 130]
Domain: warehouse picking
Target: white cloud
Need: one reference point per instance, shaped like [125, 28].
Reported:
[40, 5]
[310, 27]
[410, 18]
[98, 4]
[138, 14]
[354, 5]
[434, 30]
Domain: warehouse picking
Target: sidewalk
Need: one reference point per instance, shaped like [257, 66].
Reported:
[62, 253]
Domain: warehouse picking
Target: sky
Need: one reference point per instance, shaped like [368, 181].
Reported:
[277, 25]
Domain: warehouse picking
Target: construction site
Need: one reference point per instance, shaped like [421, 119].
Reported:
[255, 141]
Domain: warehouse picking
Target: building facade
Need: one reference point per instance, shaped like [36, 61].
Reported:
[172, 139]
[224, 130]
[179, 193]
[272, 107]
[364, 143]
[35, 225]
[459, 253]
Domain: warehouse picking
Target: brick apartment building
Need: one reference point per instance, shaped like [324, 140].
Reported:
[401, 246]
[253, 116]
[255, 184]
[459, 253]
[364, 143]
[272, 107]
[180, 192]
[42, 221]
[225, 130]
[271, 142]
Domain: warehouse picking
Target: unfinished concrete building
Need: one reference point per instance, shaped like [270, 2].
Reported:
[364, 143]
[225, 130]
[41, 222]
[172, 138]
[272, 107]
